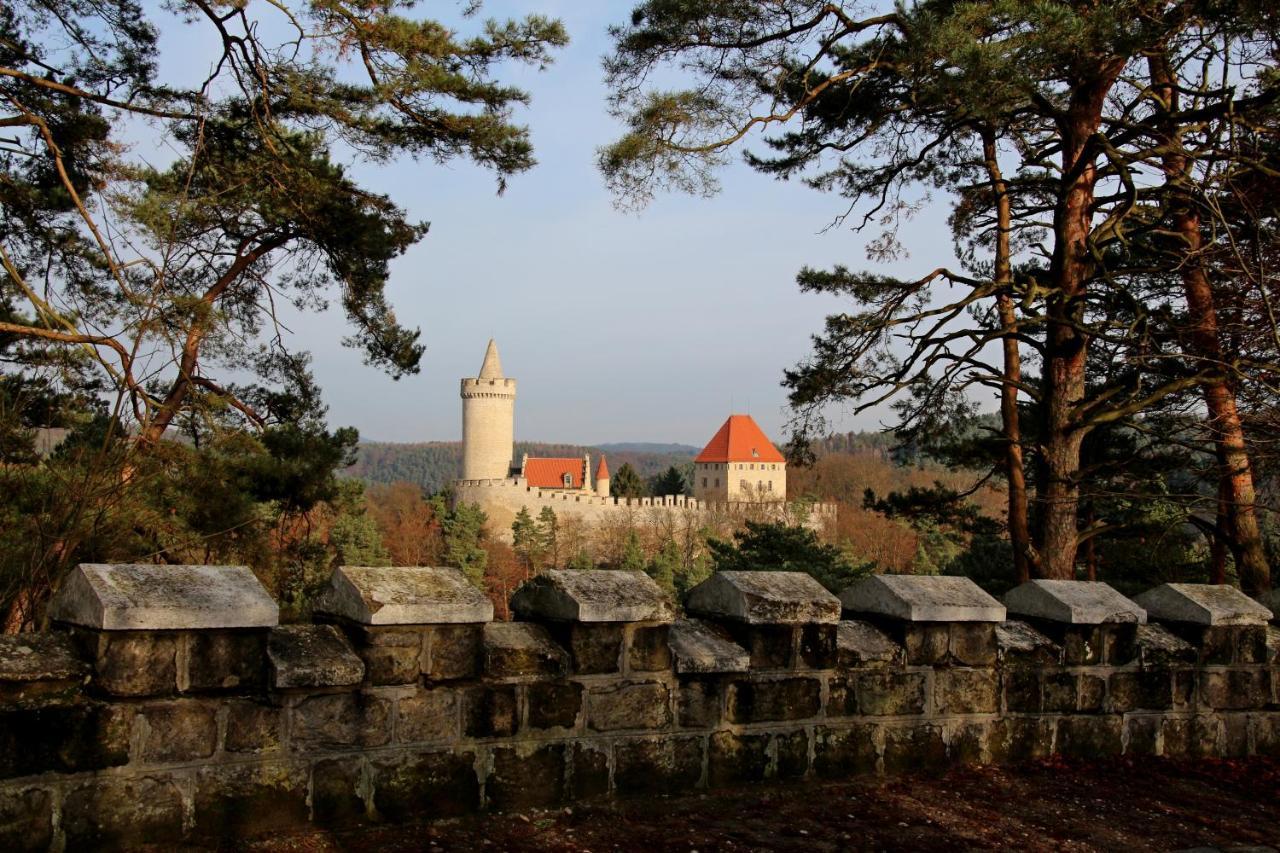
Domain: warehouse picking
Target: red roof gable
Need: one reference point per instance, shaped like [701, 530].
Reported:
[602, 470]
[740, 440]
[548, 472]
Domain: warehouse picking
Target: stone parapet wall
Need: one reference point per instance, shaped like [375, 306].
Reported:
[113, 738]
[502, 499]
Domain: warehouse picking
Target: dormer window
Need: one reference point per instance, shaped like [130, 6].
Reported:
[755, 454]
[568, 481]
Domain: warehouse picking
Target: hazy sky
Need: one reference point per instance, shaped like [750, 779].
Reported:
[618, 326]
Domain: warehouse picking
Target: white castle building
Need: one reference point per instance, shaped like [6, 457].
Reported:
[738, 470]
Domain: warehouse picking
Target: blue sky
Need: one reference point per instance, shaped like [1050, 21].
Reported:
[618, 326]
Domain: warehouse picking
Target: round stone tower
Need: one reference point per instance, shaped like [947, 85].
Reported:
[488, 421]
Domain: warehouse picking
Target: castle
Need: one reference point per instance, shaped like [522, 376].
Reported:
[739, 471]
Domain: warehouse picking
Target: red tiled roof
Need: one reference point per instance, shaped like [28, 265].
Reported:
[602, 470]
[740, 440]
[548, 472]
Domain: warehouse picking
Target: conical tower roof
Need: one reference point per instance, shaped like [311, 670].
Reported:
[492, 367]
[602, 470]
[740, 440]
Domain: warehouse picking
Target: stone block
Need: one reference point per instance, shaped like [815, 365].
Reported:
[1202, 604]
[842, 696]
[64, 738]
[527, 777]
[629, 706]
[594, 648]
[1084, 645]
[490, 711]
[521, 649]
[818, 646]
[554, 704]
[909, 749]
[1061, 692]
[424, 786]
[312, 656]
[1236, 689]
[890, 693]
[1089, 738]
[592, 595]
[1073, 602]
[657, 765]
[41, 667]
[136, 663]
[115, 813]
[341, 721]
[862, 645]
[149, 597]
[1141, 690]
[403, 595]
[698, 704]
[179, 731]
[769, 646]
[1250, 644]
[761, 700]
[336, 786]
[26, 819]
[965, 691]
[1017, 739]
[1155, 645]
[390, 665]
[253, 727]
[1235, 735]
[454, 652]
[736, 758]
[922, 598]
[590, 771]
[842, 752]
[1142, 734]
[972, 643]
[791, 754]
[428, 716]
[763, 598]
[949, 644]
[704, 647]
[223, 660]
[649, 649]
[1093, 692]
[239, 800]
[1021, 689]
[1020, 645]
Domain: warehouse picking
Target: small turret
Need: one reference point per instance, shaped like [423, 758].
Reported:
[602, 478]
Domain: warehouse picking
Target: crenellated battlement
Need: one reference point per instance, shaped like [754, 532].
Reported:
[168, 709]
[502, 499]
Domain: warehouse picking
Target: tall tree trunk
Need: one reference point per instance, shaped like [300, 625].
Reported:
[1236, 478]
[1218, 545]
[1019, 530]
[1066, 344]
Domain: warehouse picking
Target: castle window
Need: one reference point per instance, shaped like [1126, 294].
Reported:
[755, 454]
[768, 486]
[568, 480]
[704, 482]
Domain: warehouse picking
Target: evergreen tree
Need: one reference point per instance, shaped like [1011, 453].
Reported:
[463, 531]
[548, 531]
[626, 483]
[774, 546]
[664, 566]
[669, 482]
[632, 555]
[525, 539]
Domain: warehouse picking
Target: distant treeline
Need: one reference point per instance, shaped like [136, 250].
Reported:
[433, 464]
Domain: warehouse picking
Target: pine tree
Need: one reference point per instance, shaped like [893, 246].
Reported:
[626, 483]
[663, 567]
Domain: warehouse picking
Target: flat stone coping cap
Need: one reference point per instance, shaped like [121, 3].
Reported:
[764, 598]
[148, 597]
[403, 595]
[922, 598]
[1073, 602]
[1202, 604]
[592, 595]
[312, 656]
[40, 657]
[703, 647]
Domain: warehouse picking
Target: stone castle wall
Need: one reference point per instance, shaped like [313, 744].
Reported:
[488, 427]
[502, 498]
[115, 737]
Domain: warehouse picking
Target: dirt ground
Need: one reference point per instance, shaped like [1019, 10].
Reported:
[1147, 804]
